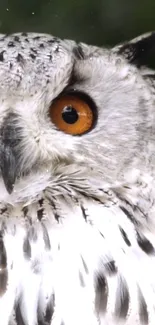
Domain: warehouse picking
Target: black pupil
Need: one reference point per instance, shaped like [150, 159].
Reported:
[69, 114]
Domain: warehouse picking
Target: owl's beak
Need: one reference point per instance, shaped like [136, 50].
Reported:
[9, 151]
[8, 167]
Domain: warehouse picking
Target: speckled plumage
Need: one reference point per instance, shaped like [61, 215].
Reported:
[77, 230]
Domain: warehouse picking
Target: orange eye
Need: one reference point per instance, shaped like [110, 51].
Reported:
[72, 114]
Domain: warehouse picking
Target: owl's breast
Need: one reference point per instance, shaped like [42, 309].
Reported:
[76, 255]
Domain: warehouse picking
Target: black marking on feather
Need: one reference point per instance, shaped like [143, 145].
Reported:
[3, 256]
[11, 44]
[143, 312]
[111, 267]
[128, 214]
[40, 211]
[56, 215]
[41, 45]
[50, 310]
[125, 237]
[3, 281]
[3, 266]
[20, 58]
[18, 315]
[136, 207]
[24, 34]
[46, 237]
[66, 189]
[89, 196]
[27, 248]
[101, 296]
[50, 57]
[54, 40]
[36, 38]
[145, 244]
[101, 234]
[78, 52]
[33, 50]
[85, 265]
[17, 38]
[2, 56]
[127, 187]
[122, 299]
[32, 56]
[83, 212]
[3, 210]
[25, 211]
[82, 283]
[139, 51]
[149, 76]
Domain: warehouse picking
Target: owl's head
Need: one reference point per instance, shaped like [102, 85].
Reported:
[68, 109]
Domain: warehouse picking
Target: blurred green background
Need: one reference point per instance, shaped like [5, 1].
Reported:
[92, 21]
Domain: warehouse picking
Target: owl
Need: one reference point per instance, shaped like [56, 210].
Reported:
[77, 182]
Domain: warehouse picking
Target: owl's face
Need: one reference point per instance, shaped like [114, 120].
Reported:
[68, 108]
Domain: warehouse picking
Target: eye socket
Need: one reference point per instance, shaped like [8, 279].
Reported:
[73, 113]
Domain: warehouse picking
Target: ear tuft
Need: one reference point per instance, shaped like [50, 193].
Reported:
[139, 50]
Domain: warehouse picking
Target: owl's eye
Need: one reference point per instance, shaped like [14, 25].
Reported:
[73, 113]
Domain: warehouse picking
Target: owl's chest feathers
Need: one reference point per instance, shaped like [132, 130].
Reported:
[46, 238]
[61, 200]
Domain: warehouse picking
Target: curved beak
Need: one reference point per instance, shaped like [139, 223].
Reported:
[8, 167]
[10, 136]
